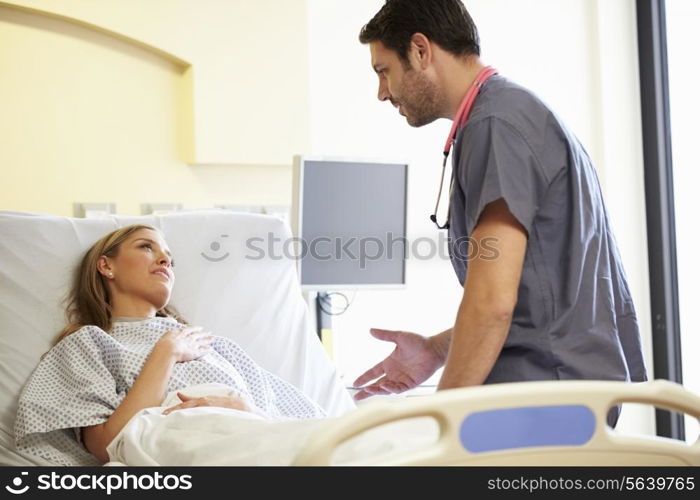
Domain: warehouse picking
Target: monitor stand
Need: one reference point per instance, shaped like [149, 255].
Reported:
[324, 321]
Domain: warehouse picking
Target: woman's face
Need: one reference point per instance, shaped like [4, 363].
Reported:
[142, 269]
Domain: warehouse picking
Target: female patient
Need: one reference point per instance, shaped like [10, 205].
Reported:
[124, 349]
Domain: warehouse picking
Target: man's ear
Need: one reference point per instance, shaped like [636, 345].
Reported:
[420, 51]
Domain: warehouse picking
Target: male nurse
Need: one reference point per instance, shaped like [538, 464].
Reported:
[545, 296]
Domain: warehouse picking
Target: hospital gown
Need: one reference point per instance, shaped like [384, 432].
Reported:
[85, 377]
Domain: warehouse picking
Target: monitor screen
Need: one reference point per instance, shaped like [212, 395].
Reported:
[350, 218]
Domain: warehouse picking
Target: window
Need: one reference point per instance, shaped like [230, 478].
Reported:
[668, 41]
[683, 41]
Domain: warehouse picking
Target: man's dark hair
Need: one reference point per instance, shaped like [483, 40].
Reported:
[445, 22]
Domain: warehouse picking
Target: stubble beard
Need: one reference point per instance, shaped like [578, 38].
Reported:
[422, 100]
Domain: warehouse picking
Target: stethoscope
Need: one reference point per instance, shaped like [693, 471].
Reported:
[459, 122]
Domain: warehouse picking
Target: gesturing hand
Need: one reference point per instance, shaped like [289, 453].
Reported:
[187, 343]
[233, 402]
[412, 362]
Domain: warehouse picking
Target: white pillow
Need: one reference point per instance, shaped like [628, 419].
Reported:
[224, 282]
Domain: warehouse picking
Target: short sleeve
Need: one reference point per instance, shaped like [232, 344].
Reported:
[496, 162]
[71, 387]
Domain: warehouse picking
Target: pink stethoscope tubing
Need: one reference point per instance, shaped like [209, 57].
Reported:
[460, 120]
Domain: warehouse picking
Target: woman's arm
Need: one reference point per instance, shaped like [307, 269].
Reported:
[150, 386]
[233, 402]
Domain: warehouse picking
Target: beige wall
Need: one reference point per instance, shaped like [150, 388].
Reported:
[153, 102]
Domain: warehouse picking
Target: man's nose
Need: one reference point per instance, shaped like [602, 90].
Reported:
[382, 93]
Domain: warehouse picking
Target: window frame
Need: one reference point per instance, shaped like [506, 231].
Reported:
[660, 209]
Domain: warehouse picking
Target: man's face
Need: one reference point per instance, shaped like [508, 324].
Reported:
[409, 89]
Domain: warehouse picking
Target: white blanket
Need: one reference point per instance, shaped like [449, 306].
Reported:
[220, 436]
[86, 376]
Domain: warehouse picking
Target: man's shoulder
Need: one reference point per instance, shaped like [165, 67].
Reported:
[509, 101]
[509, 110]
[504, 86]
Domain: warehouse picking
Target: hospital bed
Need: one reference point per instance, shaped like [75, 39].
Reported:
[535, 423]
[229, 282]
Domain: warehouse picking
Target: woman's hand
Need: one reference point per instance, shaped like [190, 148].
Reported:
[233, 402]
[186, 344]
[181, 344]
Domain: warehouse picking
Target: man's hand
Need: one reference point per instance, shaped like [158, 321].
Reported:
[232, 402]
[413, 361]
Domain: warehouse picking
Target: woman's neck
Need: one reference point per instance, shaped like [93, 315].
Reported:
[132, 307]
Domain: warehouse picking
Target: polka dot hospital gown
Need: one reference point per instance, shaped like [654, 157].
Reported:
[85, 377]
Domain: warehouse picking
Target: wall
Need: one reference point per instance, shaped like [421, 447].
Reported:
[150, 102]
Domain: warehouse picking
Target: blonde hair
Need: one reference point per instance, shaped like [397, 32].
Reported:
[88, 302]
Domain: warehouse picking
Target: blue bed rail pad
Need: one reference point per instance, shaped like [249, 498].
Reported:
[503, 429]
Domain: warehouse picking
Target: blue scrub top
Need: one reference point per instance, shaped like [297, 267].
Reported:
[574, 317]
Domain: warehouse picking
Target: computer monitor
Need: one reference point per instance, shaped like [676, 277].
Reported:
[350, 220]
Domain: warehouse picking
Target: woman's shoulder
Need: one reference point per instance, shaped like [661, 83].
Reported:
[86, 339]
[92, 329]
[86, 334]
